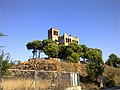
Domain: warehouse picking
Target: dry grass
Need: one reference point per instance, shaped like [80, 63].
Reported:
[24, 84]
[114, 73]
[29, 84]
[89, 86]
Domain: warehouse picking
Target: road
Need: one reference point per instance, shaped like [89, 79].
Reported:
[113, 88]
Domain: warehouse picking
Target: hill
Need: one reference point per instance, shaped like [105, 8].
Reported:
[111, 75]
[52, 65]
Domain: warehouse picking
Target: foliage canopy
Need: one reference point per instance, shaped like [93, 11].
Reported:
[113, 60]
[95, 65]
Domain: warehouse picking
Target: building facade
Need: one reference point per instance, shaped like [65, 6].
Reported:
[54, 34]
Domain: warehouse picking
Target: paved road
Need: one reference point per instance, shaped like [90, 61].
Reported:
[113, 88]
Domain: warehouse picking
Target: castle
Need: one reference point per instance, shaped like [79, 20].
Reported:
[54, 34]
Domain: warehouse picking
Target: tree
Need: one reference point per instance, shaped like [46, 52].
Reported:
[74, 57]
[39, 46]
[95, 66]
[4, 63]
[73, 52]
[84, 51]
[50, 48]
[113, 60]
[35, 45]
[30, 46]
[62, 49]
[1, 36]
[47, 41]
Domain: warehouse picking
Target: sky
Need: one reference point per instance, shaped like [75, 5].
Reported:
[95, 22]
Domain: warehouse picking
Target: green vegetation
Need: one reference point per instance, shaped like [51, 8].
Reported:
[95, 65]
[2, 34]
[72, 52]
[84, 52]
[4, 63]
[36, 46]
[113, 60]
[50, 48]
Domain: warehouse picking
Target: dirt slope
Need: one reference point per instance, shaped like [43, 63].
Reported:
[52, 65]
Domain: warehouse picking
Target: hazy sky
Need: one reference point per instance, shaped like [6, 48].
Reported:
[95, 22]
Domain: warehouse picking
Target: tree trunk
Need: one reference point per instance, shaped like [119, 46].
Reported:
[39, 54]
[33, 53]
[84, 60]
[36, 54]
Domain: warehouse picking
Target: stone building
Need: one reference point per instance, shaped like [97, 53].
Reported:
[54, 34]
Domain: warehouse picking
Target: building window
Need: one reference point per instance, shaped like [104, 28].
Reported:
[56, 33]
[68, 40]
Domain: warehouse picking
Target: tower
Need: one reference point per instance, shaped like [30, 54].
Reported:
[53, 34]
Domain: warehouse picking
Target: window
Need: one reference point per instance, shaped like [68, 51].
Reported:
[68, 40]
[56, 33]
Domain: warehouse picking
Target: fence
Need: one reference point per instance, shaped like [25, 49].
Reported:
[39, 80]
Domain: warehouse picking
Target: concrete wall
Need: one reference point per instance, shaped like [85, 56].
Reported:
[74, 88]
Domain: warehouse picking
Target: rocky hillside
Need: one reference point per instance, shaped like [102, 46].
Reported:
[52, 65]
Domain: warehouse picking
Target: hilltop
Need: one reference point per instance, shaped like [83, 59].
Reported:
[52, 65]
